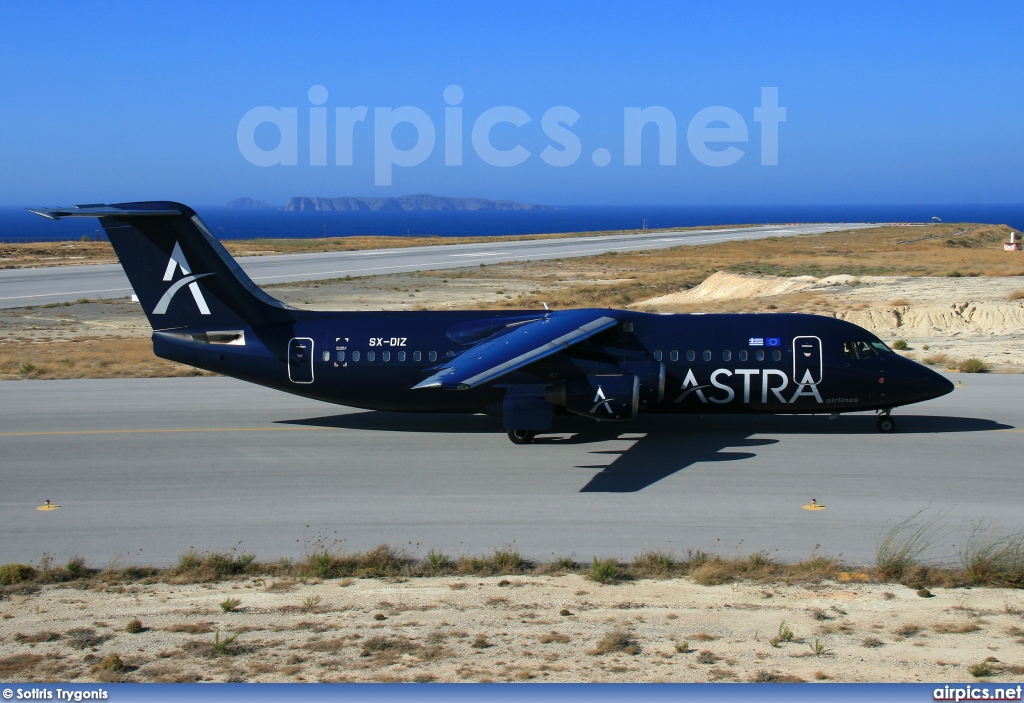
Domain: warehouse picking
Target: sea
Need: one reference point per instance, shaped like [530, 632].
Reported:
[18, 225]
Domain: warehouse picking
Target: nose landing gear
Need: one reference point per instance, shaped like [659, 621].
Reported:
[521, 436]
[885, 422]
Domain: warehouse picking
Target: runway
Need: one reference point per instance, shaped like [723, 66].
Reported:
[23, 287]
[146, 469]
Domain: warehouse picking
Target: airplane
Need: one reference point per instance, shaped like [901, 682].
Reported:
[527, 367]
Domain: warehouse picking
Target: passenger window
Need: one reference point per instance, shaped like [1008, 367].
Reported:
[727, 355]
[759, 355]
[743, 354]
[776, 355]
[690, 356]
[416, 356]
[401, 356]
[707, 355]
[673, 355]
[341, 356]
[657, 355]
[385, 356]
[370, 356]
[432, 356]
[326, 356]
[355, 356]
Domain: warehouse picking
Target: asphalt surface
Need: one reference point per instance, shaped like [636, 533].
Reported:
[145, 469]
[23, 287]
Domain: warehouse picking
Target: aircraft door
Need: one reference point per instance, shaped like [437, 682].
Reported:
[807, 362]
[300, 360]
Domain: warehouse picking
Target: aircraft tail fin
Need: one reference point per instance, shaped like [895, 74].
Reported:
[183, 276]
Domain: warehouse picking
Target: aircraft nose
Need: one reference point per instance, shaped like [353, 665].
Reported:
[923, 383]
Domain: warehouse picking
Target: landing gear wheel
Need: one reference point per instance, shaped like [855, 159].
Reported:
[521, 436]
[886, 424]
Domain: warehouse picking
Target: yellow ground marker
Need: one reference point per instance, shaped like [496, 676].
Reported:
[47, 506]
[813, 505]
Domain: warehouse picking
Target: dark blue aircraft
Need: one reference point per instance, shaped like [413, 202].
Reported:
[526, 367]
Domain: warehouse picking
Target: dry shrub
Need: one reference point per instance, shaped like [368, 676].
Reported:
[192, 628]
[706, 656]
[44, 636]
[382, 647]
[765, 676]
[617, 640]
[11, 574]
[85, 637]
[17, 663]
[972, 365]
[554, 636]
[907, 630]
[955, 628]
[331, 645]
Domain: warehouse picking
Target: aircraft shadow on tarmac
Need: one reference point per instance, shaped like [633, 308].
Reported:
[662, 445]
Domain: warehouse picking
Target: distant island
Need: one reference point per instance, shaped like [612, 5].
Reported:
[405, 202]
[248, 202]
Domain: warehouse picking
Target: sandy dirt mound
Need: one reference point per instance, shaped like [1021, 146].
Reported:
[730, 286]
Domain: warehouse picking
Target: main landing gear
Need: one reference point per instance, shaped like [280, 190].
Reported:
[885, 423]
[521, 436]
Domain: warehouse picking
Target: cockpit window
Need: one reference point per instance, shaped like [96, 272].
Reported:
[864, 350]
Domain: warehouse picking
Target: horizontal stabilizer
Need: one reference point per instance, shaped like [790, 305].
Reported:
[56, 213]
[522, 346]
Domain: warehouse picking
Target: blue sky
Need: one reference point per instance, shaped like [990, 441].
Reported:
[923, 102]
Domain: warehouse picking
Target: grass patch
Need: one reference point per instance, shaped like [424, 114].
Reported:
[898, 552]
[222, 645]
[230, 604]
[993, 559]
[501, 561]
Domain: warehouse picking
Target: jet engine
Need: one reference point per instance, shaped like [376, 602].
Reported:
[599, 397]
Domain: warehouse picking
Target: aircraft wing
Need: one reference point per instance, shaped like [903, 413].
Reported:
[522, 346]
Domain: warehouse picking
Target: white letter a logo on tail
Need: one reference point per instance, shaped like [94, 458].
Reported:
[178, 261]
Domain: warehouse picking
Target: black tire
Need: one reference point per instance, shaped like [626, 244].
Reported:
[521, 436]
[886, 424]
